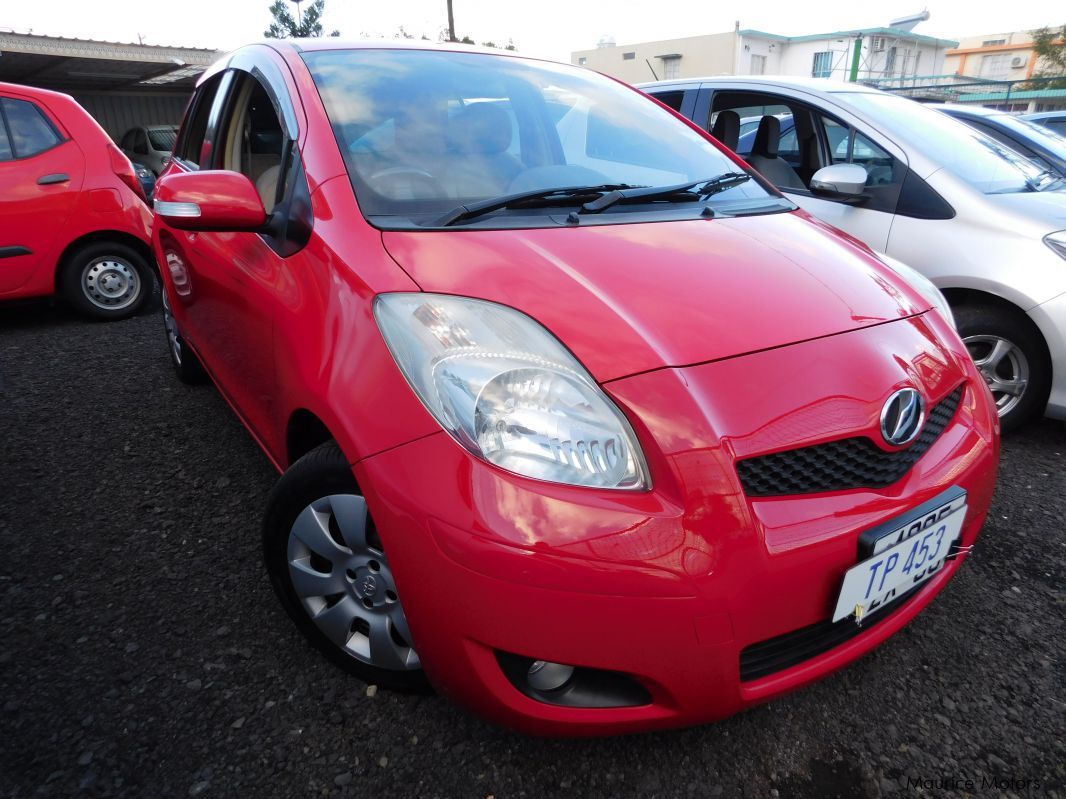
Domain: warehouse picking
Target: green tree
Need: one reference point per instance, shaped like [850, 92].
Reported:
[1049, 47]
[307, 24]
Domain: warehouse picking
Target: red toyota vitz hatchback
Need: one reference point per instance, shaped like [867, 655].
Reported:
[579, 419]
[73, 216]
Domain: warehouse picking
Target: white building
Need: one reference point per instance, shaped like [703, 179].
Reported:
[863, 54]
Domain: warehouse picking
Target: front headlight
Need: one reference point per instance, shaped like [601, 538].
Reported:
[508, 391]
[1057, 242]
[921, 284]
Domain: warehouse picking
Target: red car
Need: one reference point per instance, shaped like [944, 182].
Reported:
[578, 418]
[73, 216]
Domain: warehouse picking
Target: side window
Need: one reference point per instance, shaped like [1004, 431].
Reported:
[5, 143]
[751, 115]
[672, 99]
[28, 129]
[253, 140]
[884, 172]
[194, 130]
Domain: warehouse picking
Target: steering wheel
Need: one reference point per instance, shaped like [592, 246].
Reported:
[406, 183]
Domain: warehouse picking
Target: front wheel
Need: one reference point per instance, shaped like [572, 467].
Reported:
[186, 365]
[329, 568]
[107, 281]
[1013, 360]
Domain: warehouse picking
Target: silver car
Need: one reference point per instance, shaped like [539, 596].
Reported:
[150, 145]
[985, 225]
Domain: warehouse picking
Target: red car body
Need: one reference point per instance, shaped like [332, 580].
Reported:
[79, 192]
[670, 586]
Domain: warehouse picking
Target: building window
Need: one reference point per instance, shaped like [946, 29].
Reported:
[581, 61]
[671, 67]
[996, 67]
[993, 42]
[628, 56]
[890, 62]
[758, 65]
[823, 65]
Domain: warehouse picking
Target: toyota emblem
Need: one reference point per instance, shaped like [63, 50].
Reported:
[902, 417]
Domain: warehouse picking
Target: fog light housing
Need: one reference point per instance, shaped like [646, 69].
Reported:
[543, 675]
[571, 686]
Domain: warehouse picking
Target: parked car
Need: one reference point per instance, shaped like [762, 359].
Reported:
[146, 177]
[150, 145]
[1056, 120]
[590, 456]
[73, 218]
[987, 226]
[1036, 142]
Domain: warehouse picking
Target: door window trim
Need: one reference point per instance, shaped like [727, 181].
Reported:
[60, 138]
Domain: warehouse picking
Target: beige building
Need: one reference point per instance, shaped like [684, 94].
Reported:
[994, 56]
[711, 54]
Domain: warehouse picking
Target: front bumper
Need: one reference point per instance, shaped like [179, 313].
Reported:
[1050, 317]
[670, 586]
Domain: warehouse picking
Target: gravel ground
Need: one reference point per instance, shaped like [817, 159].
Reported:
[142, 652]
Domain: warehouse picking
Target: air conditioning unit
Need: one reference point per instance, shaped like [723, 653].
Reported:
[877, 43]
[1017, 62]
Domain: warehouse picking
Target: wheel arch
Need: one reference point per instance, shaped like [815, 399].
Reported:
[304, 431]
[142, 248]
[963, 297]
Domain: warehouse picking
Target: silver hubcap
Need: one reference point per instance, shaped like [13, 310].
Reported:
[1003, 366]
[343, 580]
[173, 339]
[111, 283]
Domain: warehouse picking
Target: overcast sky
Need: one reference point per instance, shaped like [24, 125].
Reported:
[544, 28]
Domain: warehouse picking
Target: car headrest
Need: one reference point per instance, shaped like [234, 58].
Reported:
[727, 129]
[767, 137]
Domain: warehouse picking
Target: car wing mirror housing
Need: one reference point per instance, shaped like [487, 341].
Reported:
[212, 199]
[846, 182]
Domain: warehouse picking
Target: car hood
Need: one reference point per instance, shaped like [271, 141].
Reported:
[1044, 208]
[628, 298]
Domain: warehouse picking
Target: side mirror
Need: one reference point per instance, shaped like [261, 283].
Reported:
[845, 182]
[213, 199]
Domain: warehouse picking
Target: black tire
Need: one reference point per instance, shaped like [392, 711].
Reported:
[186, 365]
[980, 326]
[106, 260]
[320, 473]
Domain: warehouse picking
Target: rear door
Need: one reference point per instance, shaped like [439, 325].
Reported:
[41, 172]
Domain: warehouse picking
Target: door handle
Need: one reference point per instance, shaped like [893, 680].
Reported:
[48, 180]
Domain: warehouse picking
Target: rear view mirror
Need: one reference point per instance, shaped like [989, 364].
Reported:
[840, 182]
[209, 200]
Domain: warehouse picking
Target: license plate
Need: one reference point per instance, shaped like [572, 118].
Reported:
[907, 553]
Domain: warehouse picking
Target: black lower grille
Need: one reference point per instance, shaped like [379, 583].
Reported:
[784, 651]
[844, 464]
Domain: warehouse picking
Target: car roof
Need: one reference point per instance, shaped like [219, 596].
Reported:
[968, 110]
[33, 91]
[810, 84]
[332, 43]
[1046, 114]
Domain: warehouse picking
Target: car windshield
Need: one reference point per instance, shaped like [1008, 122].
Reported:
[162, 138]
[984, 163]
[426, 132]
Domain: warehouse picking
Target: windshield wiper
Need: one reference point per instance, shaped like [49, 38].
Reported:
[681, 191]
[548, 196]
